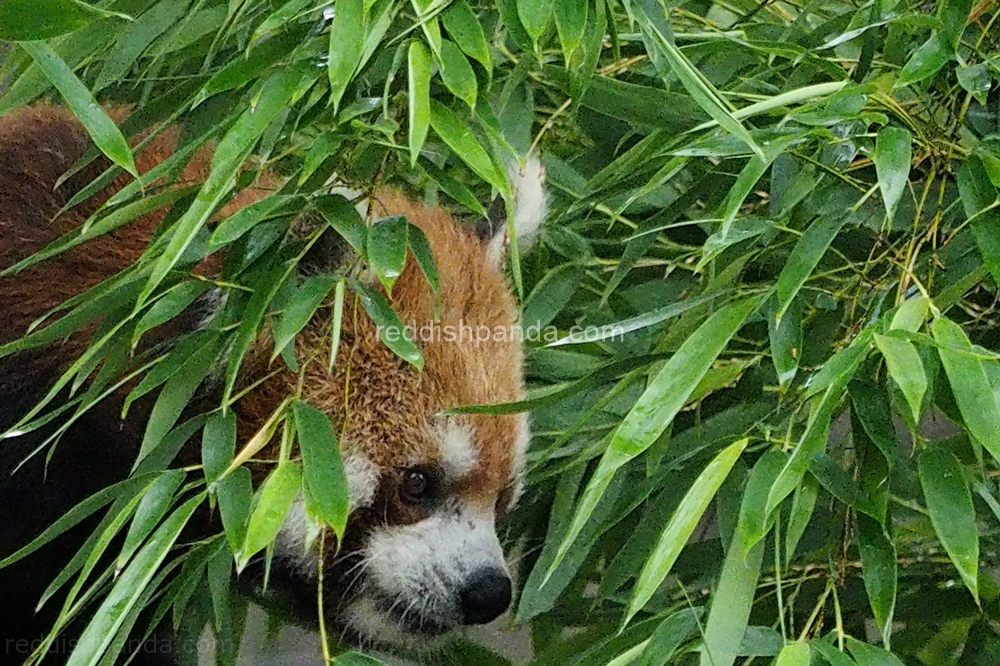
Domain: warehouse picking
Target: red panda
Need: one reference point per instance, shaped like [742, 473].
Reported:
[420, 555]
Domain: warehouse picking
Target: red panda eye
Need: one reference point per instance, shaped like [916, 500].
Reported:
[416, 486]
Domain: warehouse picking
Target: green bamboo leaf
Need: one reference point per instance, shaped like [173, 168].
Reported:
[750, 175]
[878, 568]
[926, 61]
[245, 69]
[30, 20]
[664, 396]
[804, 258]
[832, 655]
[682, 524]
[243, 220]
[969, 384]
[324, 483]
[419, 62]
[229, 157]
[463, 26]
[803, 504]
[155, 503]
[102, 129]
[428, 21]
[906, 370]
[175, 395]
[700, 89]
[389, 325]
[911, 314]
[344, 218]
[270, 282]
[954, 15]
[218, 445]
[813, 440]
[571, 23]
[279, 18]
[308, 297]
[346, 46]
[174, 301]
[387, 243]
[552, 293]
[785, 336]
[325, 147]
[949, 504]
[535, 16]
[460, 139]
[669, 636]
[892, 164]
[794, 654]
[620, 328]
[982, 207]
[731, 604]
[235, 495]
[338, 320]
[754, 521]
[421, 248]
[130, 586]
[457, 74]
[273, 504]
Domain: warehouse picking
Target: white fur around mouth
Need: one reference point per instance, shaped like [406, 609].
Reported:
[376, 626]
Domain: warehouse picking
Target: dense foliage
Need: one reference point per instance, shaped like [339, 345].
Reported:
[790, 208]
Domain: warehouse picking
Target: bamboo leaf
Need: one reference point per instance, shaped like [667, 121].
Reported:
[682, 524]
[878, 568]
[324, 482]
[129, 587]
[419, 79]
[969, 384]
[386, 249]
[102, 129]
[906, 370]
[804, 258]
[949, 504]
[273, 503]
[892, 164]
[346, 46]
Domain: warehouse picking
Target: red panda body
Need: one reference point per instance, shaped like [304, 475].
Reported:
[420, 555]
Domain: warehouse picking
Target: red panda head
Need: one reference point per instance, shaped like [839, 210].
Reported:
[421, 555]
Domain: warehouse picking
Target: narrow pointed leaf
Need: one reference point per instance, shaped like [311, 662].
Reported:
[324, 480]
[969, 384]
[682, 524]
[419, 82]
[102, 129]
[949, 504]
[273, 503]
[878, 568]
[892, 164]
[906, 370]
[346, 46]
[804, 258]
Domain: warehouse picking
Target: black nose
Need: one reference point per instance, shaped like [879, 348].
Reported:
[485, 596]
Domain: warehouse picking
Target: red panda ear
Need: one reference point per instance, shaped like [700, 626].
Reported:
[530, 207]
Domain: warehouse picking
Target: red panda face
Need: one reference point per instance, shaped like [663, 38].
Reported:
[421, 555]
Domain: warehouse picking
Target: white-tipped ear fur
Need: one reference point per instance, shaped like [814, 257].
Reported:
[531, 206]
